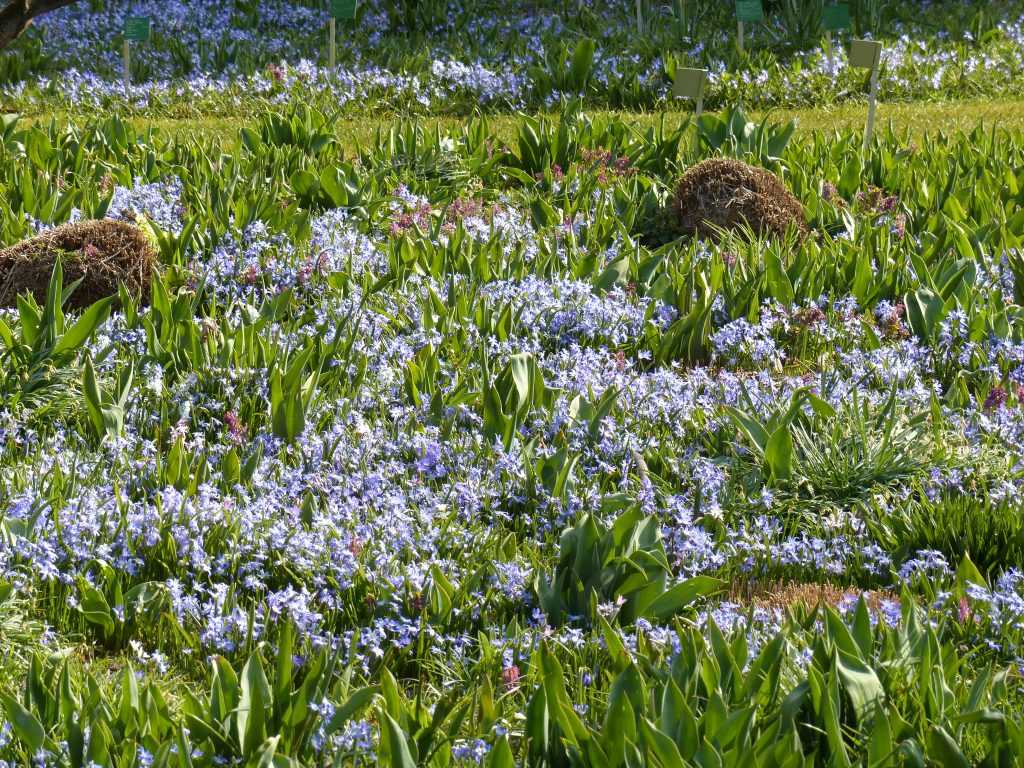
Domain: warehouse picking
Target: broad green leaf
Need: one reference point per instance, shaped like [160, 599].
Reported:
[778, 454]
[305, 185]
[925, 311]
[500, 755]
[944, 750]
[880, 745]
[253, 704]
[861, 684]
[26, 725]
[967, 573]
[778, 281]
[31, 318]
[84, 327]
[682, 595]
[582, 63]
[543, 214]
[93, 398]
[6, 334]
[398, 744]
[755, 432]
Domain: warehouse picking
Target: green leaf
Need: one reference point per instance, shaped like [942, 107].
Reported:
[336, 185]
[256, 698]
[559, 703]
[398, 744]
[356, 702]
[613, 642]
[31, 318]
[861, 629]
[84, 327]
[967, 573]
[251, 139]
[285, 664]
[521, 371]
[778, 454]
[849, 182]
[582, 63]
[616, 273]
[306, 186]
[987, 716]
[778, 281]
[441, 594]
[755, 432]
[944, 750]
[500, 755]
[267, 750]
[925, 311]
[53, 314]
[129, 711]
[861, 684]
[833, 728]
[538, 723]
[675, 599]
[6, 334]
[223, 689]
[94, 607]
[93, 398]
[543, 214]
[146, 598]
[26, 725]
[880, 747]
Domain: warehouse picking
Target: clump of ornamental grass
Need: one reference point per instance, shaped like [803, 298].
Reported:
[969, 523]
[723, 194]
[102, 254]
[860, 451]
[19, 631]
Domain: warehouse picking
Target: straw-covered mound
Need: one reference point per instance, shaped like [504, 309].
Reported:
[104, 254]
[724, 193]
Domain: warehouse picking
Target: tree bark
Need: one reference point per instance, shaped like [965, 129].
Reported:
[16, 15]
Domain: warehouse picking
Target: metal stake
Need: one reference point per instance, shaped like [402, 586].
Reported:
[333, 56]
[127, 66]
[872, 99]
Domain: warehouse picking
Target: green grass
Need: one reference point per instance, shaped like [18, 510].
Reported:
[917, 118]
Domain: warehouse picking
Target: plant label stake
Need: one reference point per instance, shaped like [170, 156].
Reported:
[689, 84]
[747, 11]
[136, 30]
[835, 18]
[344, 10]
[332, 56]
[867, 54]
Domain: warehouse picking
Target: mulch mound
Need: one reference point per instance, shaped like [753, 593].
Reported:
[724, 194]
[104, 254]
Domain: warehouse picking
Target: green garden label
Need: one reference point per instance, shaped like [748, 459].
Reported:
[749, 10]
[865, 54]
[836, 17]
[343, 9]
[136, 29]
[689, 83]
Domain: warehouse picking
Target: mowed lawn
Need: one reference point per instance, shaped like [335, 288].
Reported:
[915, 118]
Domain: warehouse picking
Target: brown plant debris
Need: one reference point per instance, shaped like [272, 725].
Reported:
[104, 254]
[725, 194]
[783, 595]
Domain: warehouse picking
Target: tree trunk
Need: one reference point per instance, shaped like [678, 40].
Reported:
[16, 15]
